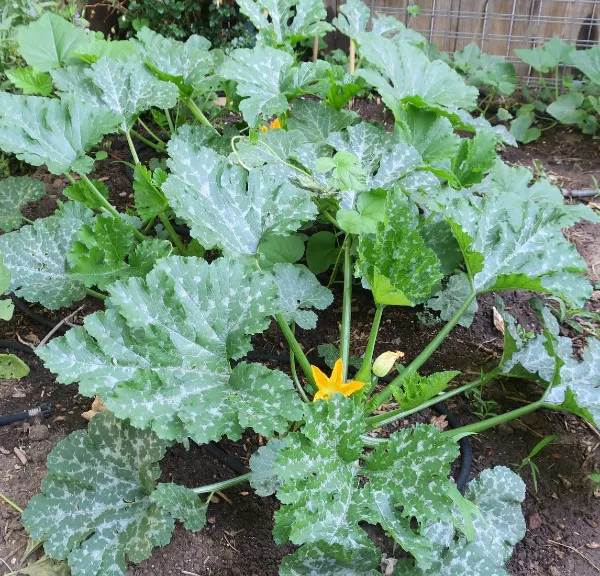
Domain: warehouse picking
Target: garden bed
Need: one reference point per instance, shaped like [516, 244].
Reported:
[562, 514]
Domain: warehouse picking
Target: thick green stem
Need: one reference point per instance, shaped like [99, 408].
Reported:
[95, 294]
[346, 310]
[491, 98]
[132, 147]
[399, 414]
[208, 488]
[27, 220]
[172, 234]
[297, 383]
[556, 80]
[104, 202]
[169, 121]
[199, 115]
[364, 374]
[297, 350]
[495, 421]
[385, 394]
[157, 147]
[147, 129]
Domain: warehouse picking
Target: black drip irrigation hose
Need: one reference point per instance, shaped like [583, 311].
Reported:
[15, 346]
[44, 410]
[228, 460]
[20, 304]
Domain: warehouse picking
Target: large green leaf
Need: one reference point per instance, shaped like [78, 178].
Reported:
[106, 251]
[576, 386]
[36, 256]
[97, 48]
[353, 17]
[513, 242]
[187, 64]
[286, 22]
[100, 504]
[324, 559]
[159, 354]
[385, 159]
[498, 494]
[53, 132]
[547, 57]
[50, 42]
[411, 468]
[588, 61]
[227, 207]
[316, 474]
[30, 81]
[15, 192]
[397, 264]
[404, 75]
[267, 78]
[126, 87]
[432, 135]
[12, 366]
[319, 477]
[299, 289]
[316, 121]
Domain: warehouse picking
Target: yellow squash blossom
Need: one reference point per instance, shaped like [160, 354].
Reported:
[271, 126]
[330, 385]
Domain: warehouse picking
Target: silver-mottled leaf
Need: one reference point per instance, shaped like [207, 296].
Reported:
[408, 467]
[498, 494]
[225, 206]
[452, 297]
[299, 289]
[159, 354]
[404, 75]
[263, 477]
[125, 86]
[15, 192]
[95, 507]
[324, 559]
[36, 256]
[316, 121]
[181, 503]
[53, 132]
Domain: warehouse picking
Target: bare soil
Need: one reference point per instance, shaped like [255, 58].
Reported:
[563, 536]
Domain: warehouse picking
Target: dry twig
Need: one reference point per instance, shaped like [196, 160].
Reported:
[577, 551]
[57, 327]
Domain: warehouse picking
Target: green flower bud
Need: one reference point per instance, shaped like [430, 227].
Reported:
[384, 363]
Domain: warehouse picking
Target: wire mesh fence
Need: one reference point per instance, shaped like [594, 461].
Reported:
[499, 26]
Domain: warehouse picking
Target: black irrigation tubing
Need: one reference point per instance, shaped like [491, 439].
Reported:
[228, 460]
[580, 193]
[20, 304]
[44, 410]
[15, 346]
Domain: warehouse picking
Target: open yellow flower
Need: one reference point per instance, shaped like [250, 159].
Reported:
[330, 385]
[271, 126]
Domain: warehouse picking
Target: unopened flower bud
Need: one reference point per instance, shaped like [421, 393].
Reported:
[384, 363]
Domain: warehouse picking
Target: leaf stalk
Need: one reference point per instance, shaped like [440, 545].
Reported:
[384, 395]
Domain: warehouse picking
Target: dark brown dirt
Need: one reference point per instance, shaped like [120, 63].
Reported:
[563, 512]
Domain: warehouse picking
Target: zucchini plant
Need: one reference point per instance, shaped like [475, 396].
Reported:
[418, 215]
